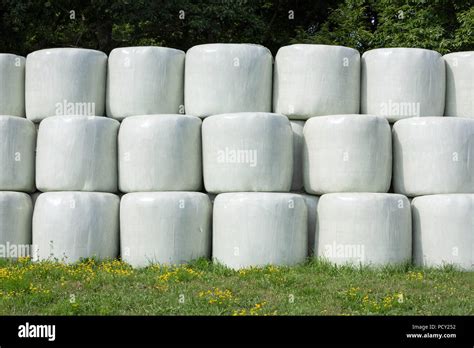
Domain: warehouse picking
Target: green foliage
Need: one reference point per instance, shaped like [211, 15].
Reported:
[28, 25]
[105, 24]
[441, 25]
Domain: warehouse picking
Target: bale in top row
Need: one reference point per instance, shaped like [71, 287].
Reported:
[308, 80]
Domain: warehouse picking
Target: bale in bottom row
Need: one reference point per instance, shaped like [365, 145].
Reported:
[443, 230]
[365, 228]
[249, 229]
[15, 219]
[69, 226]
[256, 229]
[165, 227]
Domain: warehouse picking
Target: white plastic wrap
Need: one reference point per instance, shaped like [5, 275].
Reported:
[402, 82]
[254, 229]
[15, 224]
[227, 78]
[443, 230]
[364, 228]
[17, 154]
[65, 81]
[314, 80]
[347, 153]
[77, 153]
[160, 153]
[68, 226]
[12, 85]
[297, 182]
[459, 84]
[165, 227]
[247, 152]
[312, 206]
[145, 80]
[433, 155]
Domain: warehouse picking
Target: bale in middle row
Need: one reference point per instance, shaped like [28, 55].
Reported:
[347, 153]
[247, 152]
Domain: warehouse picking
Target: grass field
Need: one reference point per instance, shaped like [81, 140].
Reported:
[203, 288]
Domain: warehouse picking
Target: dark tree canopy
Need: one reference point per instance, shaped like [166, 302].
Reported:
[442, 25]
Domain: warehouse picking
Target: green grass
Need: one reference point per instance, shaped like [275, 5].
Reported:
[203, 288]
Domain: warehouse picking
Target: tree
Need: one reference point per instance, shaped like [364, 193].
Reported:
[441, 25]
[105, 24]
[29, 25]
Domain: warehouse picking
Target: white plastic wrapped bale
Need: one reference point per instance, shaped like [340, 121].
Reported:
[364, 228]
[347, 153]
[12, 85]
[255, 229]
[15, 224]
[68, 226]
[77, 153]
[227, 78]
[314, 80]
[165, 227]
[402, 82]
[144, 81]
[459, 84]
[443, 230]
[297, 128]
[433, 155]
[17, 154]
[312, 206]
[65, 81]
[247, 152]
[160, 153]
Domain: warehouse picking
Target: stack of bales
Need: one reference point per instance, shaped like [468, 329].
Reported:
[321, 160]
[432, 154]
[247, 156]
[76, 166]
[162, 217]
[17, 146]
[347, 158]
